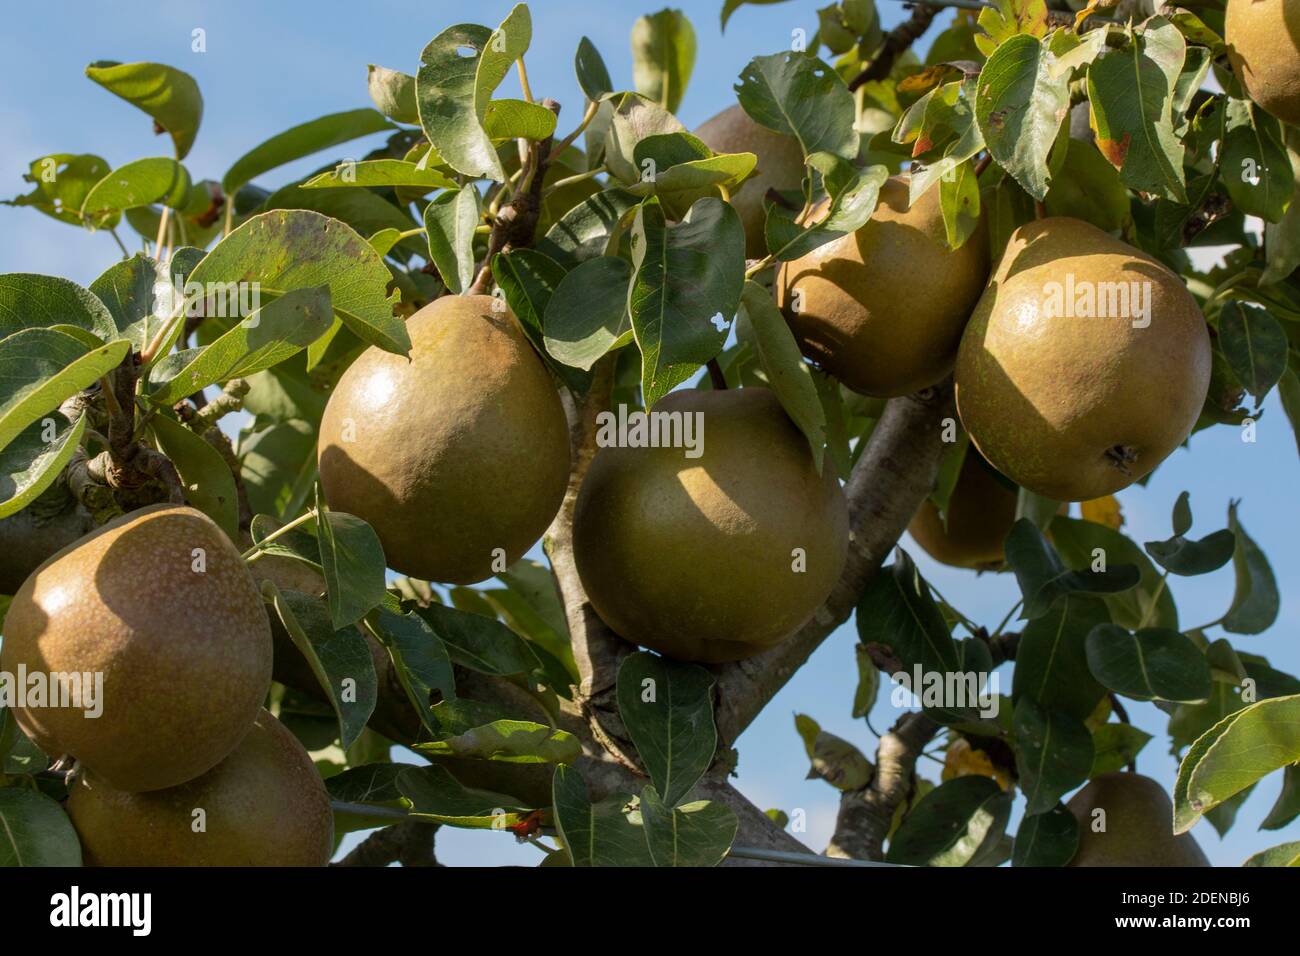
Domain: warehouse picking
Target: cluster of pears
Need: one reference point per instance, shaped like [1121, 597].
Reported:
[1264, 49]
[177, 763]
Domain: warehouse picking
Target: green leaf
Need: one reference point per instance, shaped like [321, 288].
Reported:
[381, 173]
[62, 182]
[1088, 188]
[1046, 839]
[138, 297]
[955, 824]
[339, 657]
[663, 56]
[36, 301]
[1089, 544]
[1179, 555]
[34, 831]
[509, 741]
[1234, 754]
[302, 140]
[393, 93]
[1287, 854]
[687, 282]
[787, 373]
[1150, 664]
[633, 119]
[1044, 579]
[590, 69]
[668, 709]
[1052, 658]
[1255, 346]
[34, 460]
[352, 560]
[679, 168]
[1132, 117]
[165, 93]
[1115, 746]
[1255, 601]
[731, 6]
[480, 643]
[40, 368]
[1288, 390]
[1054, 753]
[517, 119]
[898, 612]
[1282, 239]
[959, 199]
[605, 833]
[694, 834]
[209, 484]
[1019, 106]
[851, 205]
[421, 658]
[587, 315]
[450, 221]
[140, 183]
[436, 795]
[584, 232]
[1287, 807]
[453, 90]
[529, 280]
[285, 250]
[276, 331]
[864, 697]
[1253, 158]
[800, 96]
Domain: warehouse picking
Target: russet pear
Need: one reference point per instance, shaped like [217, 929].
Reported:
[882, 309]
[161, 605]
[980, 513]
[264, 805]
[458, 456]
[717, 557]
[780, 167]
[1136, 827]
[1085, 364]
[1263, 39]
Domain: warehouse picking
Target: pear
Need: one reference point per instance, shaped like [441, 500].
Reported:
[1085, 364]
[1137, 827]
[27, 537]
[717, 557]
[981, 511]
[264, 805]
[780, 166]
[159, 603]
[1264, 49]
[883, 309]
[459, 456]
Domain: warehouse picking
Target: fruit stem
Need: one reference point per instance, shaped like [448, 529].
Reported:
[716, 375]
[253, 553]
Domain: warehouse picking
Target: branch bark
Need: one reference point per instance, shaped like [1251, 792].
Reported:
[897, 42]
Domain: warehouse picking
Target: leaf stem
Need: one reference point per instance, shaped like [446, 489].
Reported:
[523, 80]
[252, 553]
[1155, 599]
[571, 180]
[759, 266]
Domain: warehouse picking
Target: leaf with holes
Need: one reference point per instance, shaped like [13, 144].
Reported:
[800, 96]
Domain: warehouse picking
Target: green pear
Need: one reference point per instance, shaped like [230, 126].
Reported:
[716, 557]
[883, 309]
[1264, 49]
[459, 456]
[1135, 825]
[161, 605]
[780, 166]
[1085, 364]
[264, 805]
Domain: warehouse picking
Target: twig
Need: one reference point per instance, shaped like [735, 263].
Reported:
[897, 42]
[716, 375]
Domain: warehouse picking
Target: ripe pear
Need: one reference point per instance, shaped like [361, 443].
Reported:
[1138, 825]
[1063, 400]
[458, 456]
[264, 805]
[780, 166]
[981, 511]
[717, 557]
[161, 605]
[883, 309]
[1264, 48]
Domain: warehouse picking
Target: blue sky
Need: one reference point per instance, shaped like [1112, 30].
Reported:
[269, 66]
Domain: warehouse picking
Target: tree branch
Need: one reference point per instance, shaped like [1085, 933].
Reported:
[897, 42]
[409, 843]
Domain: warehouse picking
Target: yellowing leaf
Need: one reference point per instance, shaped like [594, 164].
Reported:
[963, 760]
[1104, 511]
